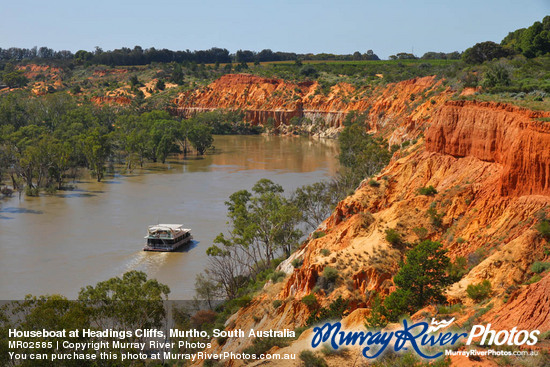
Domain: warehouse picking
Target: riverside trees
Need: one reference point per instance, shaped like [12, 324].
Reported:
[118, 305]
[264, 225]
[43, 139]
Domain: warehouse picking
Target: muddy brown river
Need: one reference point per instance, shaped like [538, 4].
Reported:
[60, 243]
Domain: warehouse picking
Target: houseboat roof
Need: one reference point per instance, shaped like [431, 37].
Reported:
[165, 227]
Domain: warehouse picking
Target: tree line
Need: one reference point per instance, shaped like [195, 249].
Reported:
[141, 56]
[530, 42]
[46, 140]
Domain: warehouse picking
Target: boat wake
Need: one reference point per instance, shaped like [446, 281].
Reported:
[149, 262]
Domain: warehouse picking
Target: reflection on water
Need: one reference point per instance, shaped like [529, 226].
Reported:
[60, 243]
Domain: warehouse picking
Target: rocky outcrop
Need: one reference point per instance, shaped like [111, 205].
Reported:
[500, 133]
[114, 100]
[264, 98]
[528, 309]
[33, 70]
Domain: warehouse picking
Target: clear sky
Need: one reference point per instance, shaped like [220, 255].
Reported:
[302, 26]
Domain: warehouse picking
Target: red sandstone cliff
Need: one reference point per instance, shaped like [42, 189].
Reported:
[490, 164]
[116, 100]
[262, 98]
[499, 133]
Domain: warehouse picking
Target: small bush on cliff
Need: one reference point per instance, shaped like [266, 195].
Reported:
[421, 233]
[297, 263]
[374, 183]
[420, 281]
[335, 311]
[428, 191]
[535, 278]
[277, 276]
[538, 267]
[330, 274]
[544, 229]
[458, 268]
[311, 359]
[325, 251]
[435, 218]
[160, 85]
[328, 350]
[479, 292]
[310, 301]
[318, 234]
[393, 237]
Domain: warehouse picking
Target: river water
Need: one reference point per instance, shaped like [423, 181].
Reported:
[60, 243]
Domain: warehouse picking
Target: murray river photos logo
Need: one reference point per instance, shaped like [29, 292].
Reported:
[420, 336]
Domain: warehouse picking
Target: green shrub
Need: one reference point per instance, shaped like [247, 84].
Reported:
[275, 262]
[428, 191]
[458, 268]
[435, 218]
[334, 311]
[277, 276]
[447, 310]
[393, 237]
[328, 350]
[310, 301]
[160, 84]
[479, 292]
[420, 232]
[535, 278]
[325, 252]
[310, 359]
[538, 267]
[32, 191]
[52, 189]
[297, 262]
[318, 234]
[277, 303]
[374, 183]
[330, 273]
[544, 229]
[376, 318]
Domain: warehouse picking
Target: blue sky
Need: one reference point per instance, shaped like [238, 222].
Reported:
[301, 26]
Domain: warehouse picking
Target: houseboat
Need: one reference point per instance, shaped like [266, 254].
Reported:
[166, 237]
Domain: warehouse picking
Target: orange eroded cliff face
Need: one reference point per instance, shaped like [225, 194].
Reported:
[490, 166]
[528, 307]
[493, 132]
[115, 100]
[264, 98]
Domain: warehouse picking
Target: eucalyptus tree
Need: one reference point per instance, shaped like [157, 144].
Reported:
[263, 225]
